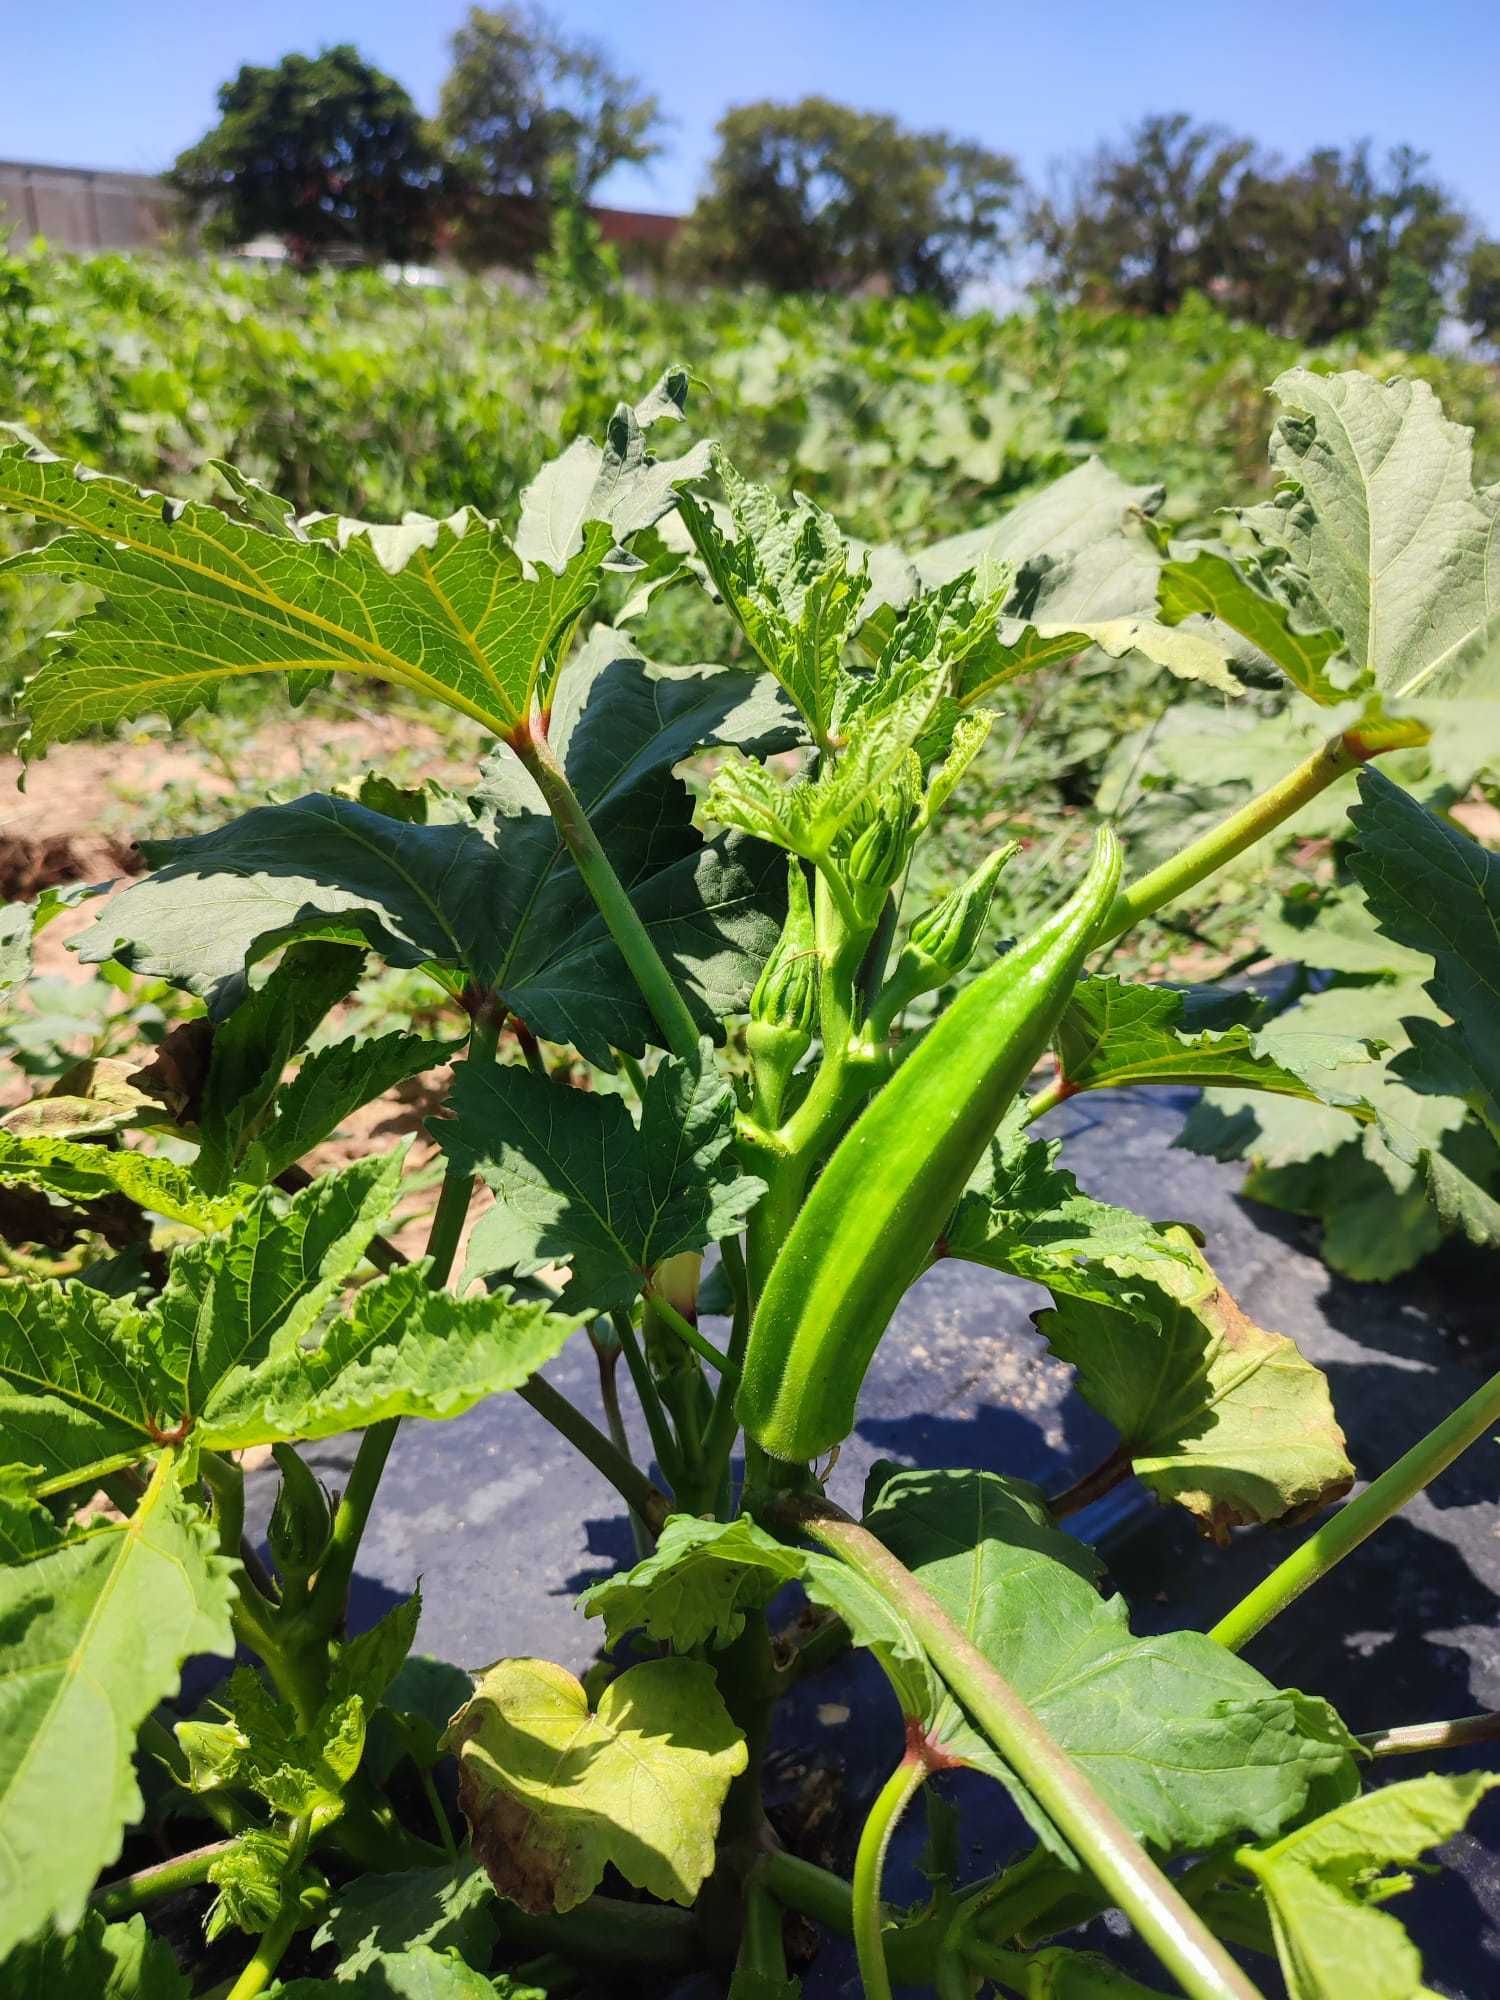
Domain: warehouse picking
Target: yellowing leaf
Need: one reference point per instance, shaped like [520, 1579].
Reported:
[553, 1794]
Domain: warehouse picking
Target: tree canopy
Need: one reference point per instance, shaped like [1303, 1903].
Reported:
[1334, 244]
[815, 196]
[523, 103]
[326, 152]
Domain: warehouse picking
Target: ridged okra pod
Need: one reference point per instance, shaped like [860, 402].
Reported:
[868, 1227]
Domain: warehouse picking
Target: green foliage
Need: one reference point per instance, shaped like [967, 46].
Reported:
[553, 1793]
[325, 151]
[814, 196]
[665, 1055]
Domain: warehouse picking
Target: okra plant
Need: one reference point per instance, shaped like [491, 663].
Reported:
[697, 1027]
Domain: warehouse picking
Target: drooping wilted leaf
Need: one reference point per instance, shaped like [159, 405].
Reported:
[1376, 529]
[554, 1794]
[97, 1630]
[577, 1181]
[1324, 1881]
[1213, 585]
[195, 595]
[1214, 1412]
[1024, 1214]
[1113, 1032]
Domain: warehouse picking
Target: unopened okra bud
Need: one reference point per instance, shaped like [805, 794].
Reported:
[942, 939]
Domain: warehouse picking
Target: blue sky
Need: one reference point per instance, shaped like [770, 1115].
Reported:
[128, 83]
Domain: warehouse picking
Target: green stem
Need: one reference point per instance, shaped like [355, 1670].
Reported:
[1418, 1738]
[269, 1952]
[607, 1358]
[1057, 1090]
[651, 975]
[647, 1395]
[632, 1485]
[1360, 1517]
[164, 1878]
[762, 1946]
[802, 1885]
[894, 1796]
[458, 1185]
[1261, 815]
[689, 1334]
[1174, 1932]
[722, 1428]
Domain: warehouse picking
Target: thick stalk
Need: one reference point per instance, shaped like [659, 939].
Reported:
[722, 1428]
[1426, 1738]
[1262, 815]
[1357, 1519]
[1106, 1845]
[667, 1005]
[165, 1878]
[894, 1796]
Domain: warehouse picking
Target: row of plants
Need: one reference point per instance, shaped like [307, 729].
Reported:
[687, 1023]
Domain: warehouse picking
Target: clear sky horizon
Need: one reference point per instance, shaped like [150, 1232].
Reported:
[126, 84]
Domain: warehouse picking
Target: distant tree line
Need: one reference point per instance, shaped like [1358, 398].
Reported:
[329, 154]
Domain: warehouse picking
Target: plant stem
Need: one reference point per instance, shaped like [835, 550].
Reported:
[667, 1005]
[1261, 815]
[869, 1867]
[269, 1952]
[608, 1359]
[458, 1184]
[802, 1885]
[1414, 1738]
[1357, 1519]
[1106, 1845]
[688, 1333]
[1057, 1090]
[662, 1442]
[1104, 1478]
[762, 1947]
[163, 1878]
[632, 1485]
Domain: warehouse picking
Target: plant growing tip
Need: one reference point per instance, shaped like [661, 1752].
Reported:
[867, 1229]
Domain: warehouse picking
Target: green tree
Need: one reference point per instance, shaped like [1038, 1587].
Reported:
[323, 151]
[1340, 243]
[1145, 223]
[521, 102]
[1479, 301]
[816, 196]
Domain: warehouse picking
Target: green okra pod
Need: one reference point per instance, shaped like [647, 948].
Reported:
[868, 1227]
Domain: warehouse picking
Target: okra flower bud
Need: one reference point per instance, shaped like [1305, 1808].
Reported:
[784, 1005]
[301, 1524]
[942, 939]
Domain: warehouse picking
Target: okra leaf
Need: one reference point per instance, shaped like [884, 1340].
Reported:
[1376, 528]
[1188, 1743]
[97, 1630]
[787, 579]
[1024, 1214]
[90, 1380]
[1324, 1881]
[576, 1181]
[1213, 584]
[83, 1173]
[490, 894]
[91, 1100]
[1113, 1032]
[1434, 890]
[417, 1973]
[447, 1909]
[253, 1045]
[401, 1350]
[367, 1664]
[260, 1745]
[554, 1794]
[331, 1084]
[192, 596]
[697, 1585]
[100, 1960]
[1086, 507]
[1214, 1412]
[618, 482]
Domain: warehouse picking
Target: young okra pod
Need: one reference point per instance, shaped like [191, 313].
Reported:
[868, 1227]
